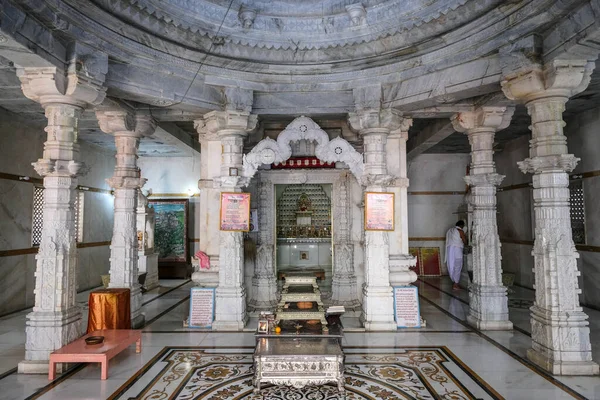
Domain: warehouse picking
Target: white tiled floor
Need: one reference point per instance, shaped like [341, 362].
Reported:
[494, 357]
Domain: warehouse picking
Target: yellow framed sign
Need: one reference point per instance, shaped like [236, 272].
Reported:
[235, 212]
[379, 211]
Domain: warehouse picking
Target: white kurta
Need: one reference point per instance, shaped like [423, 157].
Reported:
[454, 253]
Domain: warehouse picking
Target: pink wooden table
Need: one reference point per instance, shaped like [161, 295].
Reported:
[115, 341]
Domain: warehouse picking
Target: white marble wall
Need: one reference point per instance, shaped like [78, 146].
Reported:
[21, 143]
[288, 255]
[430, 216]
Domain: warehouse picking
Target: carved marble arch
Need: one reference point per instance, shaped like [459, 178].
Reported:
[269, 151]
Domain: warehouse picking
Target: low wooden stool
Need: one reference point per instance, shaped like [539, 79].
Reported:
[115, 341]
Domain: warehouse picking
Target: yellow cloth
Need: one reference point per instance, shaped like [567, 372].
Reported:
[109, 309]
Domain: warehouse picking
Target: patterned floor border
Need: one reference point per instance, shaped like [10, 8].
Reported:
[215, 373]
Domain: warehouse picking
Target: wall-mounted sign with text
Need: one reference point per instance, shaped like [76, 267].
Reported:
[235, 212]
[379, 211]
[202, 307]
[406, 307]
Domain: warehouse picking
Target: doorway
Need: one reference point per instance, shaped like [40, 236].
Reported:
[304, 229]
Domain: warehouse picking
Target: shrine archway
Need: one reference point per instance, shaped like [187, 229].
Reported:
[269, 151]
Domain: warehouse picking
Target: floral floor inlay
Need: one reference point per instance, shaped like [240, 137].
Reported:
[186, 373]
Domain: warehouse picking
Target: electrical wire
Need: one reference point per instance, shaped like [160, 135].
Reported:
[212, 43]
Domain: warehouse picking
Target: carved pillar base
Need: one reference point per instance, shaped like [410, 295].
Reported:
[377, 303]
[230, 309]
[344, 292]
[265, 293]
[573, 354]
[46, 332]
[488, 308]
[378, 300]
[148, 263]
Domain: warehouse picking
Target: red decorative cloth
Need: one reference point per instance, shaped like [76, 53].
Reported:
[302, 163]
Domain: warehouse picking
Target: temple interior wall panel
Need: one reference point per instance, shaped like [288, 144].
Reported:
[22, 144]
[432, 209]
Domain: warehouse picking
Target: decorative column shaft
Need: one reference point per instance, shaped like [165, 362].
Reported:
[488, 302]
[400, 258]
[56, 319]
[374, 125]
[231, 127]
[126, 182]
[263, 282]
[343, 285]
[559, 327]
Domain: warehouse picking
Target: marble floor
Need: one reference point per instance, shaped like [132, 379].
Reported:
[497, 359]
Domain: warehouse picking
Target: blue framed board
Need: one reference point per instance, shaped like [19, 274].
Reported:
[202, 307]
[407, 311]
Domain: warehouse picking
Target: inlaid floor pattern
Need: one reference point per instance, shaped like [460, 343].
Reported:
[395, 373]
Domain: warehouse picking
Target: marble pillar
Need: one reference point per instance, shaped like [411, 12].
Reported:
[374, 125]
[56, 319]
[230, 127]
[400, 258]
[343, 285]
[559, 327]
[127, 129]
[147, 256]
[488, 302]
[264, 284]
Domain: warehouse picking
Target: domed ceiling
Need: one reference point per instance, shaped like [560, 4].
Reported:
[289, 31]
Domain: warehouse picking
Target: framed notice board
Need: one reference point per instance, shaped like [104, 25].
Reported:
[235, 212]
[202, 307]
[407, 311]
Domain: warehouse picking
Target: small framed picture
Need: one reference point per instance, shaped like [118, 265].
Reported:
[263, 326]
[304, 256]
[233, 171]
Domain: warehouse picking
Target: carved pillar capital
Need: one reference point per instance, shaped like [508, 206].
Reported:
[120, 122]
[381, 121]
[557, 78]
[81, 84]
[483, 118]
[226, 123]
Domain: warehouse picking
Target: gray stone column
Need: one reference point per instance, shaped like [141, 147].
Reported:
[559, 327]
[127, 129]
[488, 303]
[343, 285]
[374, 125]
[56, 319]
[231, 127]
[264, 283]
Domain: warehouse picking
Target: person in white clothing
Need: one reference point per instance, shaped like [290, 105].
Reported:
[455, 241]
